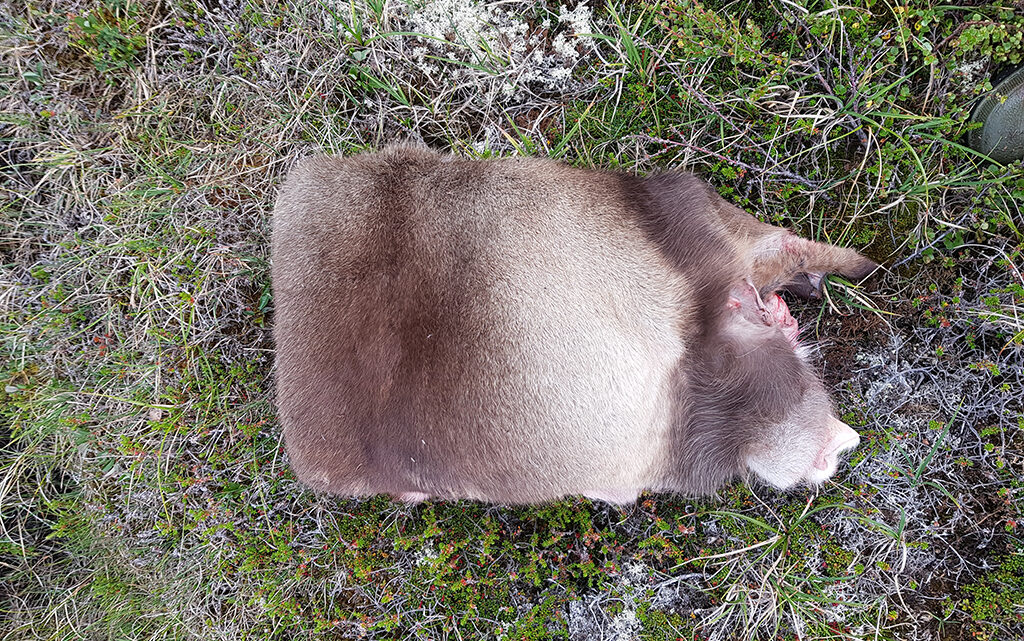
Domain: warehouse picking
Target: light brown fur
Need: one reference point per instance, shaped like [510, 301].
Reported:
[517, 330]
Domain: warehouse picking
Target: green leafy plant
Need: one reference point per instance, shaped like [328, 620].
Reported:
[111, 34]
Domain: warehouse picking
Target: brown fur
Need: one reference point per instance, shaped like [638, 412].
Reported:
[517, 330]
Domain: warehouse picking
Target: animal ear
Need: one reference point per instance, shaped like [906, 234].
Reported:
[799, 266]
[743, 295]
[745, 302]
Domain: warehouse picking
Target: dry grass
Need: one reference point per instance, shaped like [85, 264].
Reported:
[143, 490]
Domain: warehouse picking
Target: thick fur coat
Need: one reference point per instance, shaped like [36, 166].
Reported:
[517, 330]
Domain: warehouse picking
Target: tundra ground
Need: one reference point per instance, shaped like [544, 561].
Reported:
[144, 493]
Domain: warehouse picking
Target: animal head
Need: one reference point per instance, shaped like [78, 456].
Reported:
[803, 440]
[804, 447]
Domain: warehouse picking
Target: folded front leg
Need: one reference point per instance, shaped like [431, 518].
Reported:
[805, 264]
[780, 260]
[777, 259]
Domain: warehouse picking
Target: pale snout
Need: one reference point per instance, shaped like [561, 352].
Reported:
[842, 438]
[793, 461]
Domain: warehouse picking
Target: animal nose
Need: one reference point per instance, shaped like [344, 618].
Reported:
[844, 437]
[841, 438]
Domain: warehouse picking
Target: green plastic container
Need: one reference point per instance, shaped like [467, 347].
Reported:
[1001, 135]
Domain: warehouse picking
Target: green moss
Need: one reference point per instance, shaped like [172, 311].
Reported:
[993, 602]
[657, 625]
